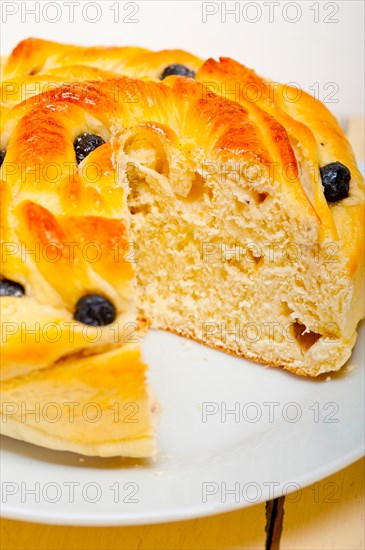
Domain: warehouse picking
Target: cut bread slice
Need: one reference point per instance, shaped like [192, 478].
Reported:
[95, 405]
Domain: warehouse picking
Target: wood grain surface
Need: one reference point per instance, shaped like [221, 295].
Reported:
[244, 529]
[328, 515]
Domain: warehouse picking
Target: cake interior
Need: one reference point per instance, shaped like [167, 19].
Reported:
[214, 253]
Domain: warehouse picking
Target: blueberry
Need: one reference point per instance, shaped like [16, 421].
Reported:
[177, 69]
[86, 144]
[10, 288]
[95, 310]
[336, 181]
[2, 156]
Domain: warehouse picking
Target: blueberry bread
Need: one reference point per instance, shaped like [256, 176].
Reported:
[246, 217]
[70, 341]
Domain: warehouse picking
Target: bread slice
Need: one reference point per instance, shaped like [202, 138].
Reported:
[95, 405]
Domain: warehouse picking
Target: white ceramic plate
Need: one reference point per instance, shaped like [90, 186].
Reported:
[286, 432]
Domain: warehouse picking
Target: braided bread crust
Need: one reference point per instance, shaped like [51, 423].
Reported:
[33, 56]
[314, 133]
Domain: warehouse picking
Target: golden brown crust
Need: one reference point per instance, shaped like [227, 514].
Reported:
[230, 129]
[319, 136]
[32, 56]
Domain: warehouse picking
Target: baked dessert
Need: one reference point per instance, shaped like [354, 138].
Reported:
[246, 218]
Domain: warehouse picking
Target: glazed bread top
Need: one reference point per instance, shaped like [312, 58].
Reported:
[287, 127]
[33, 56]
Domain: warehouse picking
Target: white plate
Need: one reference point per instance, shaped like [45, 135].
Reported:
[204, 467]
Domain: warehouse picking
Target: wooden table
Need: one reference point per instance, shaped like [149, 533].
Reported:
[328, 515]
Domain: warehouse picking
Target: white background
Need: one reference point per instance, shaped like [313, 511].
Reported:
[324, 45]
